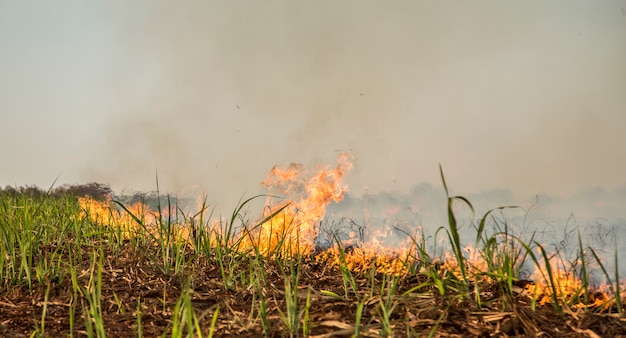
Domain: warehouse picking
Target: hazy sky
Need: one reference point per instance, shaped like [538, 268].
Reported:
[528, 96]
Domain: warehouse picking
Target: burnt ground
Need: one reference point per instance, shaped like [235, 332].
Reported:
[133, 282]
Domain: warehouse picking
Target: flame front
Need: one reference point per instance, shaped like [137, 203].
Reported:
[291, 226]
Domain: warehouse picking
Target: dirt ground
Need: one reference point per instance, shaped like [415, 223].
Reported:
[131, 283]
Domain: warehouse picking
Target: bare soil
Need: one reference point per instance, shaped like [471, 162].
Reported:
[131, 281]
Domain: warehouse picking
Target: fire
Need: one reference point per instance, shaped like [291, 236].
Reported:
[292, 224]
[105, 214]
[285, 228]
[291, 227]
[367, 257]
[288, 226]
[474, 260]
[102, 212]
[567, 287]
[565, 283]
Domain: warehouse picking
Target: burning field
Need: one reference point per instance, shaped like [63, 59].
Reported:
[100, 266]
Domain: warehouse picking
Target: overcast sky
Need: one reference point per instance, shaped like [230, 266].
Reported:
[528, 96]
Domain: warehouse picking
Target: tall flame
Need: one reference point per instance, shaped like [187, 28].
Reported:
[291, 227]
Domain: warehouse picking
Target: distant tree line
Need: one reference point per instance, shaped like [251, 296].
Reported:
[97, 191]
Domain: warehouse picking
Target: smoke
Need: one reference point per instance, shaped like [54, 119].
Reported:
[391, 220]
[514, 100]
[526, 97]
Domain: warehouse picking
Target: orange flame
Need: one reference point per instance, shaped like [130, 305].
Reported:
[565, 285]
[105, 214]
[292, 230]
[102, 212]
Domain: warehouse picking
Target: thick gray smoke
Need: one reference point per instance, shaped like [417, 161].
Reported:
[209, 96]
[527, 97]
